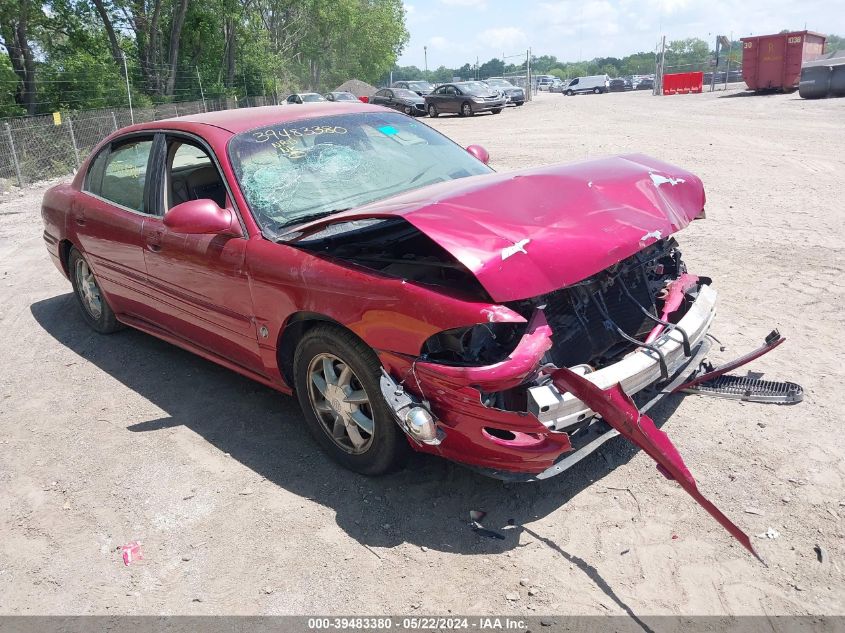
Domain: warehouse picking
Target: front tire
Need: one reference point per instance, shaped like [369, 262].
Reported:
[337, 384]
[432, 111]
[92, 302]
[466, 109]
[496, 110]
[408, 110]
[569, 93]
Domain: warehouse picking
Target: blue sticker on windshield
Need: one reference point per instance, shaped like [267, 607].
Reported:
[389, 130]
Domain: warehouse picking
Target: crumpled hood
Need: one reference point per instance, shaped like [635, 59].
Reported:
[529, 232]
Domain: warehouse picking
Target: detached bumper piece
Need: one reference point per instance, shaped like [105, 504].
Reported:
[620, 412]
[710, 381]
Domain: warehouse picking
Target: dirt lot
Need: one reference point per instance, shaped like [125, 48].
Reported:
[105, 440]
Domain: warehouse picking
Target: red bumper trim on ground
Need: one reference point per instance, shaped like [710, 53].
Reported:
[620, 412]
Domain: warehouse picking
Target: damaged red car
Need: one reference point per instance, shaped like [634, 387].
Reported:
[410, 297]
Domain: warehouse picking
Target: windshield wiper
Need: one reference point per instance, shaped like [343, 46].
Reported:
[281, 233]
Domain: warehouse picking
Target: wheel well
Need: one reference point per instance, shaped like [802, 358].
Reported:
[294, 329]
[64, 254]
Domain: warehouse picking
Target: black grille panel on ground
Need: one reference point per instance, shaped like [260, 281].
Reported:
[750, 389]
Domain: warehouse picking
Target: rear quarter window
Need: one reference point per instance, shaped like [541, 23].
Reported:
[119, 173]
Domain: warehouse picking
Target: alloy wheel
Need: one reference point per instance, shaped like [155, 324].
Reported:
[88, 289]
[341, 403]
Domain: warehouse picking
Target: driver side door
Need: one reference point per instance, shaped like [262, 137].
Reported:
[200, 281]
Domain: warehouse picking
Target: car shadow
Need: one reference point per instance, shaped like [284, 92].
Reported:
[263, 430]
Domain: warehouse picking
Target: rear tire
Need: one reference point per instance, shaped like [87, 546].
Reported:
[432, 111]
[597, 91]
[91, 300]
[519, 103]
[330, 366]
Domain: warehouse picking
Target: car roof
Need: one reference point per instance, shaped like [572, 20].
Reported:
[243, 119]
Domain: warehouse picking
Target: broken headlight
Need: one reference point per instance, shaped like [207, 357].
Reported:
[482, 344]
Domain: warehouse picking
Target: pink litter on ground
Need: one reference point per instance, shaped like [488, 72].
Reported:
[131, 552]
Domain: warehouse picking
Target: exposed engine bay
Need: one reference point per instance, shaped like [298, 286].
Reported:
[395, 248]
[594, 322]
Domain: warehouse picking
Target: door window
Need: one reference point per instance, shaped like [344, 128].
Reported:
[119, 174]
[192, 175]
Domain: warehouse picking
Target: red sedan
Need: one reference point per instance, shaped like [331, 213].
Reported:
[408, 295]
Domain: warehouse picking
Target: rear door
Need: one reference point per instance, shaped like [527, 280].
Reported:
[200, 282]
[107, 217]
[452, 100]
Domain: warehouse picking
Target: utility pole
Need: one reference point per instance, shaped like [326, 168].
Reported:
[528, 74]
[658, 75]
[730, 52]
[716, 66]
[128, 91]
[425, 55]
[202, 94]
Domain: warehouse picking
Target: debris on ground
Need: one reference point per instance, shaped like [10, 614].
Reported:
[821, 554]
[475, 518]
[513, 597]
[770, 533]
[753, 511]
[131, 552]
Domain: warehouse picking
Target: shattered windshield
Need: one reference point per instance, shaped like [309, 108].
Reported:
[294, 171]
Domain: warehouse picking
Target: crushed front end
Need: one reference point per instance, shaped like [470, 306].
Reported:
[641, 323]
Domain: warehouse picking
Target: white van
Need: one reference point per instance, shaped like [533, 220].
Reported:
[593, 83]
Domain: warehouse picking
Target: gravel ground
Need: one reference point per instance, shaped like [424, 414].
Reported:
[106, 440]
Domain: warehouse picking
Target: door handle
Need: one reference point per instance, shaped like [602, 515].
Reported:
[80, 221]
[152, 240]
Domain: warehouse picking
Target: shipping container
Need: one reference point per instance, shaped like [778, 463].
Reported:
[773, 62]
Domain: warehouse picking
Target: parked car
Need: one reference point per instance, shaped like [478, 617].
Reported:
[620, 84]
[465, 98]
[421, 87]
[341, 96]
[513, 94]
[304, 97]
[558, 85]
[645, 83]
[544, 81]
[596, 84]
[408, 295]
[400, 99]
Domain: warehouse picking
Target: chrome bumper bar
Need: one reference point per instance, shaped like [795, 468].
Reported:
[635, 372]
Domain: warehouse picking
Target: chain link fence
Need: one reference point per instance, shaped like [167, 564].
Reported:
[42, 147]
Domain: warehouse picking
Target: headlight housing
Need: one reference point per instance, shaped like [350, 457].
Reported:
[475, 345]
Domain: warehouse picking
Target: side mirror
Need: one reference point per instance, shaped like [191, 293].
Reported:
[201, 217]
[480, 153]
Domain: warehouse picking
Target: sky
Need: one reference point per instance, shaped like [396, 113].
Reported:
[456, 31]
